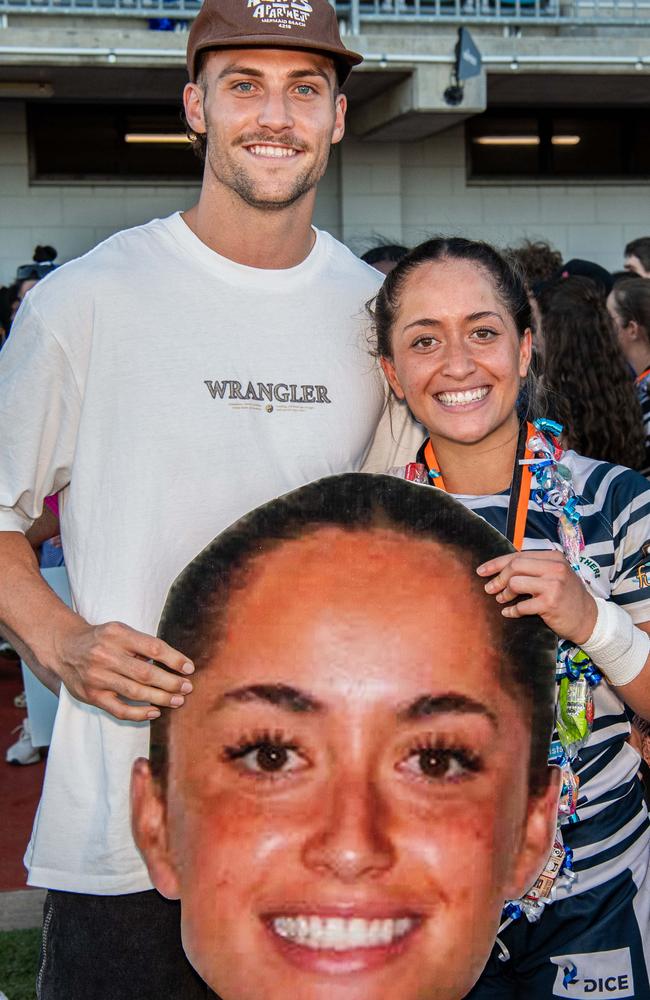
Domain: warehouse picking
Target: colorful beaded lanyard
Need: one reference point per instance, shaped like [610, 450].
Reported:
[540, 472]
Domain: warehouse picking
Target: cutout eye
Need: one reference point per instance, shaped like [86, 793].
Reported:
[267, 757]
[439, 763]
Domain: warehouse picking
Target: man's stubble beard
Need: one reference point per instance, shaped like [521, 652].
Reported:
[237, 179]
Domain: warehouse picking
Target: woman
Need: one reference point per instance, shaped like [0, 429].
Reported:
[338, 807]
[585, 376]
[628, 305]
[453, 333]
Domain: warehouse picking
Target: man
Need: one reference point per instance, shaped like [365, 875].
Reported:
[360, 780]
[637, 256]
[176, 376]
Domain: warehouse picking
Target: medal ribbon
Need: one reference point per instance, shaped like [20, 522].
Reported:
[520, 488]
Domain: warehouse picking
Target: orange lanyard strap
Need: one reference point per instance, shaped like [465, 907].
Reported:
[432, 464]
[643, 375]
[520, 488]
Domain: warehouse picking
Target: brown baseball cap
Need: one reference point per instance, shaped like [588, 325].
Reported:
[271, 24]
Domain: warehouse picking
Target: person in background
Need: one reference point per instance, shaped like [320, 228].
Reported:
[585, 377]
[384, 256]
[637, 256]
[538, 260]
[628, 305]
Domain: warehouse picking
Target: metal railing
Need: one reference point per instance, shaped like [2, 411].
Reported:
[358, 16]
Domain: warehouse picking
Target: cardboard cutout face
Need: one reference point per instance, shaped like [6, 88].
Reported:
[343, 814]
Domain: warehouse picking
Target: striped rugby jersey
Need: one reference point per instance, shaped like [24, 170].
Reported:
[612, 832]
[642, 384]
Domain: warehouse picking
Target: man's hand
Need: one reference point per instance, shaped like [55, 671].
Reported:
[556, 593]
[103, 664]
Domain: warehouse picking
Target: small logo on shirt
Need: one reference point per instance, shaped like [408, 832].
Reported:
[287, 14]
[288, 394]
[595, 974]
[643, 569]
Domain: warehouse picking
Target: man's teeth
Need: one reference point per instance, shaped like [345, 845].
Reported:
[462, 398]
[277, 151]
[340, 934]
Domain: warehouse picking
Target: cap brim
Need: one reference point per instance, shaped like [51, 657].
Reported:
[343, 57]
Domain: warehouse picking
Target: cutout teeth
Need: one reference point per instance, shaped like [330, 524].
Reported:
[340, 934]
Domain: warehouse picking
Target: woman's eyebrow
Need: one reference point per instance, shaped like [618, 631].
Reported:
[471, 318]
[281, 695]
[426, 705]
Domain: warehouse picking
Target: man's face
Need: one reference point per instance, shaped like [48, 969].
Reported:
[347, 803]
[634, 266]
[271, 116]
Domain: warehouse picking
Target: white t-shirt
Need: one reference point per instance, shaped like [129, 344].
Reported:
[165, 390]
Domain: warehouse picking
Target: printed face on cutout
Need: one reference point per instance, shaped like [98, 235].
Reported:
[344, 813]
[457, 357]
[271, 117]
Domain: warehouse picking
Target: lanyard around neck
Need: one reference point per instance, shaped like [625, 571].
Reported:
[643, 375]
[519, 489]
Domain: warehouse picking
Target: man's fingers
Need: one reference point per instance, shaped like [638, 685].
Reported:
[130, 713]
[129, 688]
[149, 647]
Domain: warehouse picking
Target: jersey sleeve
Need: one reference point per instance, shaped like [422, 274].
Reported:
[39, 417]
[628, 509]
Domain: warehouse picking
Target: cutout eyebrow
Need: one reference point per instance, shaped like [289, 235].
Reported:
[292, 699]
[427, 705]
[281, 695]
[472, 318]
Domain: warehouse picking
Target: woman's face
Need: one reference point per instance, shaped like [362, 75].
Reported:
[457, 358]
[347, 806]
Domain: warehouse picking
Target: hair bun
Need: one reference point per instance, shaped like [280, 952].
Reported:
[44, 254]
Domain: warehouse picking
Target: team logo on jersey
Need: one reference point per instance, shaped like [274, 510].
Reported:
[643, 569]
[596, 974]
[287, 14]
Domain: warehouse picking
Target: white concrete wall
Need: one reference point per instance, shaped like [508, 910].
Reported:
[589, 221]
[401, 192]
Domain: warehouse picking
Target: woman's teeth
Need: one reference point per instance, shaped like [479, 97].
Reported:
[340, 934]
[462, 398]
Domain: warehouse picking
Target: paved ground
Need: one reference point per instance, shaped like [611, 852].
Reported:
[22, 909]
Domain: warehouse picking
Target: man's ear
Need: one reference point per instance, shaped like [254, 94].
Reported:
[537, 837]
[149, 827]
[341, 105]
[193, 104]
[388, 369]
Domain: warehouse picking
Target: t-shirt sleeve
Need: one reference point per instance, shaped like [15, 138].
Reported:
[629, 513]
[39, 417]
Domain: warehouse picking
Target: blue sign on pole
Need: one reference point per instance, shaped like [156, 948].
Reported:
[468, 57]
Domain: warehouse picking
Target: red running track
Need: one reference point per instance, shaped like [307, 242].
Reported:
[20, 787]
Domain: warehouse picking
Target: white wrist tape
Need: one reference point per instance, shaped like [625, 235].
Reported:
[618, 648]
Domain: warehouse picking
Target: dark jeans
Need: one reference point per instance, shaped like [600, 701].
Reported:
[114, 948]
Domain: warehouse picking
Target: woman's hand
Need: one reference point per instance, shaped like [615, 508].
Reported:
[556, 593]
